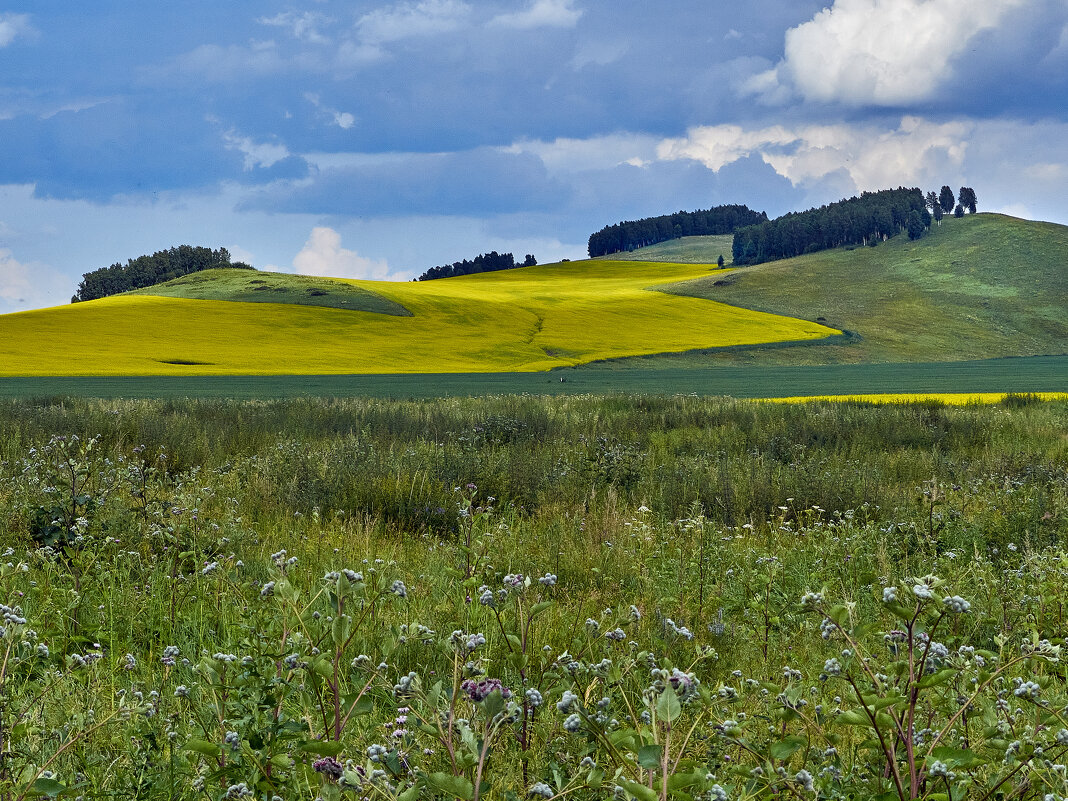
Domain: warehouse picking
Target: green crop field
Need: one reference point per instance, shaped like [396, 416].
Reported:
[521, 320]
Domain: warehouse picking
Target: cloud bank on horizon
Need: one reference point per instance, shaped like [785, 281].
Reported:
[376, 138]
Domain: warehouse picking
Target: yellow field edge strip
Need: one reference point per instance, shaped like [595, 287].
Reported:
[949, 398]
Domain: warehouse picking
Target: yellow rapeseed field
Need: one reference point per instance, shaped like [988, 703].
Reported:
[519, 320]
[949, 398]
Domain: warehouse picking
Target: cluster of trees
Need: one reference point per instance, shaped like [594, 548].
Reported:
[143, 271]
[483, 263]
[943, 203]
[629, 235]
[868, 219]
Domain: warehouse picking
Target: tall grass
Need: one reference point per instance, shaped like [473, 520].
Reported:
[284, 599]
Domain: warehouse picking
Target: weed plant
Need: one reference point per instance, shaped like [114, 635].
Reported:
[646, 598]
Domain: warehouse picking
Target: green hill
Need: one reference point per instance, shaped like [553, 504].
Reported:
[245, 286]
[982, 286]
[687, 250]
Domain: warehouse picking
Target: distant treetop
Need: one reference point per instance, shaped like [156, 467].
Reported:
[482, 263]
[161, 266]
[866, 220]
[630, 235]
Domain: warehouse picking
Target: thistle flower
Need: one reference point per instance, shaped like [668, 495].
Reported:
[329, 767]
[541, 789]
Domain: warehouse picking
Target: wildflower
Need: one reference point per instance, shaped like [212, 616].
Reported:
[804, 778]
[181, 691]
[567, 701]
[938, 770]
[170, 655]
[479, 691]
[398, 589]
[922, 592]
[376, 753]
[329, 767]
[548, 580]
[541, 789]
[717, 793]
[1029, 690]
[239, 790]
[889, 595]
[533, 698]
[811, 600]
[616, 634]
[268, 590]
[573, 723]
[403, 686]
[956, 604]
[832, 667]
[130, 663]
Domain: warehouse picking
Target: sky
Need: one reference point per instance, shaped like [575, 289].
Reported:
[375, 139]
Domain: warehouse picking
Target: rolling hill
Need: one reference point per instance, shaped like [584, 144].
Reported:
[982, 286]
[527, 319]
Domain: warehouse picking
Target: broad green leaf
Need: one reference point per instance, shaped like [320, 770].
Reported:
[935, 679]
[538, 608]
[639, 791]
[47, 787]
[326, 748]
[668, 707]
[456, 786]
[649, 756]
[784, 749]
[202, 747]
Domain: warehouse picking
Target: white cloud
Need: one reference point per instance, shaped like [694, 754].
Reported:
[323, 255]
[873, 157]
[563, 156]
[879, 52]
[27, 285]
[265, 154]
[404, 20]
[304, 27]
[12, 26]
[344, 120]
[541, 14]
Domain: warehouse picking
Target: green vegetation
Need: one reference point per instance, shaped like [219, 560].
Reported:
[687, 250]
[866, 220]
[982, 286]
[581, 598]
[264, 287]
[650, 376]
[143, 271]
[629, 235]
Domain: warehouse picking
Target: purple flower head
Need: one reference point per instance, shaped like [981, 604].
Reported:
[329, 767]
[480, 690]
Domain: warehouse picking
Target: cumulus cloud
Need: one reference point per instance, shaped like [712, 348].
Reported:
[12, 26]
[404, 20]
[541, 14]
[879, 52]
[323, 255]
[873, 156]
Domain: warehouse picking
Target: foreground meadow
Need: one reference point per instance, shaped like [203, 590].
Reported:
[517, 597]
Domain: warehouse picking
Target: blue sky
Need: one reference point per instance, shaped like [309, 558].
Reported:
[376, 139]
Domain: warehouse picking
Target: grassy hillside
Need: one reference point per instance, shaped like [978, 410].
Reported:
[687, 250]
[246, 286]
[978, 287]
[517, 320]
